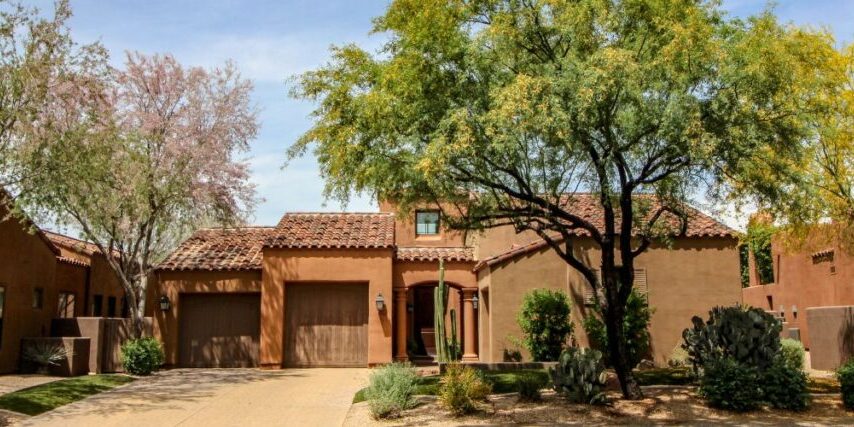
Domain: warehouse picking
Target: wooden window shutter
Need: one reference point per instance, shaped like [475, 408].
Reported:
[640, 281]
[589, 298]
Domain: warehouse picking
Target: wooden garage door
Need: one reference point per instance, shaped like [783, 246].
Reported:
[219, 330]
[327, 324]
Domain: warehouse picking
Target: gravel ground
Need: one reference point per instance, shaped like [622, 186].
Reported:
[665, 405]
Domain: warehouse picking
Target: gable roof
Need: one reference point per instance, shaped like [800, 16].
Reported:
[219, 249]
[72, 243]
[333, 230]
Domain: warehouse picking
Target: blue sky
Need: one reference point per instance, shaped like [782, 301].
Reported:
[272, 40]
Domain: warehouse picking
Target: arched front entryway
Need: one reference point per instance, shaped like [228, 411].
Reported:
[414, 321]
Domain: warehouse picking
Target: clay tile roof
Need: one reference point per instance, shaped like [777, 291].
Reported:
[71, 243]
[465, 254]
[333, 230]
[219, 249]
[587, 206]
[72, 261]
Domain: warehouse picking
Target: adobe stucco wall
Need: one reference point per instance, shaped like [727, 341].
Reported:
[173, 283]
[72, 278]
[281, 266]
[833, 336]
[103, 281]
[800, 282]
[27, 263]
[684, 280]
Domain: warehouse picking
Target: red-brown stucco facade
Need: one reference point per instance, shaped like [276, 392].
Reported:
[355, 289]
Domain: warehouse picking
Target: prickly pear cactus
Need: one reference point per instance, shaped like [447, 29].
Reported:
[579, 375]
[746, 334]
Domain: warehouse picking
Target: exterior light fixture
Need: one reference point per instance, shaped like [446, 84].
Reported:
[474, 301]
[380, 301]
[795, 310]
[783, 311]
[165, 304]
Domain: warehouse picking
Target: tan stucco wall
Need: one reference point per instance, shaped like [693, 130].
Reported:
[72, 278]
[174, 283]
[404, 229]
[281, 266]
[833, 336]
[26, 262]
[103, 281]
[684, 280]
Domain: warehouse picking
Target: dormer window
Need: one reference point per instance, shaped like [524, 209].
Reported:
[427, 223]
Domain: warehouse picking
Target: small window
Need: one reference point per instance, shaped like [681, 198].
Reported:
[38, 298]
[65, 307]
[111, 307]
[97, 305]
[427, 223]
[2, 305]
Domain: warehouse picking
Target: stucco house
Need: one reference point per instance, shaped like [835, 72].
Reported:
[44, 276]
[355, 289]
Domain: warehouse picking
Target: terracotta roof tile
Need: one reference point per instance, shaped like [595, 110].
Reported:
[71, 243]
[587, 206]
[465, 254]
[333, 230]
[219, 249]
[72, 261]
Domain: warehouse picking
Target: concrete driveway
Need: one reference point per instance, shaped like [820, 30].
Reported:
[219, 397]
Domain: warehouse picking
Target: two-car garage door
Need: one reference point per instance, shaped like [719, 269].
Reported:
[326, 324]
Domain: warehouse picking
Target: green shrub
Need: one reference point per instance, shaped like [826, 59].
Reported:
[678, 358]
[747, 335]
[784, 386]
[579, 375]
[792, 352]
[544, 320]
[391, 389]
[142, 356]
[845, 374]
[635, 329]
[461, 388]
[728, 384]
[529, 385]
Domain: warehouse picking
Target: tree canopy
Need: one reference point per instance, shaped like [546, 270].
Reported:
[505, 108]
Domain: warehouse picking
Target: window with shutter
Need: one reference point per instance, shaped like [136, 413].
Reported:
[640, 281]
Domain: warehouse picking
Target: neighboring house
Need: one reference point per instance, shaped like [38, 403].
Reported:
[821, 274]
[41, 280]
[355, 289]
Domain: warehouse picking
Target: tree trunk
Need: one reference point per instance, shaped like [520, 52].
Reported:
[138, 314]
[619, 353]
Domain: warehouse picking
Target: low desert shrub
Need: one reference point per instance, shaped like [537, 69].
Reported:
[579, 375]
[678, 358]
[461, 388]
[45, 354]
[728, 384]
[635, 329]
[845, 374]
[784, 386]
[544, 320]
[529, 386]
[792, 352]
[391, 389]
[142, 356]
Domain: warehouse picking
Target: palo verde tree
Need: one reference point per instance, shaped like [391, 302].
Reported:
[505, 109]
[139, 159]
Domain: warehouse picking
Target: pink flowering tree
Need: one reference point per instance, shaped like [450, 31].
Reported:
[139, 159]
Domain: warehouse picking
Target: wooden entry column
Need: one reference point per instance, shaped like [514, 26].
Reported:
[399, 306]
[469, 328]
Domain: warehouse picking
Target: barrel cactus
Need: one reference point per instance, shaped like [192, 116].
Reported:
[579, 375]
[745, 334]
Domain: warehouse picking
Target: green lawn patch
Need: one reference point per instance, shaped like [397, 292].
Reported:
[502, 382]
[43, 398]
[665, 376]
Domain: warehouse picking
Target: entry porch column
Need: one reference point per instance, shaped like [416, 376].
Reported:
[469, 326]
[400, 324]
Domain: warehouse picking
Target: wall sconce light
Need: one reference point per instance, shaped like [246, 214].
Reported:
[795, 311]
[165, 304]
[783, 311]
[474, 301]
[380, 301]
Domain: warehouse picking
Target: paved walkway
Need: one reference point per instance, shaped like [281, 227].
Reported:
[219, 397]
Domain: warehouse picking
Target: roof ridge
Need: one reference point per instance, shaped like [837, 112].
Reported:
[337, 213]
